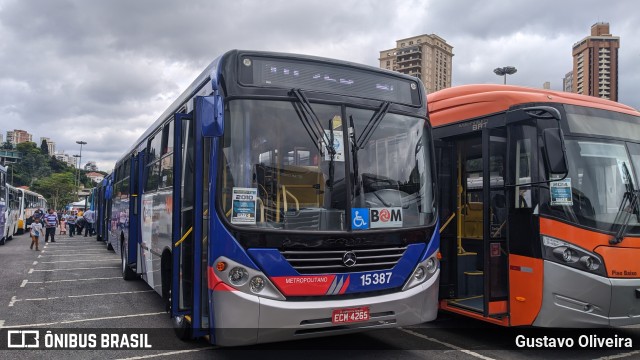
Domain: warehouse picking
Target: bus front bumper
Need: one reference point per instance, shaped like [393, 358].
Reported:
[573, 298]
[244, 319]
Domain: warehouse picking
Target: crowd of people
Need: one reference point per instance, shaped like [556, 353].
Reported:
[68, 222]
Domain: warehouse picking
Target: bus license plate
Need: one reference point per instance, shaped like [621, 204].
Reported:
[351, 315]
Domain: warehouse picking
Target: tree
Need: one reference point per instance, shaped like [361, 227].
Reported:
[44, 147]
[7, 145]
[33, 165]
[58, 189]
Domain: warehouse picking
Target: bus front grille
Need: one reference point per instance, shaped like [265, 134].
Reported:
[333, 261]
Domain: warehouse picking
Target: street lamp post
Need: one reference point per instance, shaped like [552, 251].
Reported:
[504, 71]
[77, 177]
[80, 142]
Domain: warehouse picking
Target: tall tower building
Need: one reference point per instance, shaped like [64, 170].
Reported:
[18, 136]
[595, 63]
[567, 82]
[427, 57]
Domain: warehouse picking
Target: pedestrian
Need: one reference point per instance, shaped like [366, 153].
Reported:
[80, 224]
[90, 218]
[71, 220]
[51, 223]
[36, 230]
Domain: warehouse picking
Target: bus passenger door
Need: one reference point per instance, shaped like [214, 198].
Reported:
[447, 200]
[495, 214]
[182, 274]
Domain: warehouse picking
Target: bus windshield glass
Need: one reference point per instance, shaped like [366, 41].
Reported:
[279, 174]
[596, 172]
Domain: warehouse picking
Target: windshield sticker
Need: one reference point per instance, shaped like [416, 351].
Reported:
[623, 172]
[385, 217]
[359, 218]
[244, 205]
[337, 146]
[561, 192]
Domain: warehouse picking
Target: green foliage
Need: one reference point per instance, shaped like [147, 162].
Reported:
[57, 188]
[44, 148]
[7, 146]
[33, 165]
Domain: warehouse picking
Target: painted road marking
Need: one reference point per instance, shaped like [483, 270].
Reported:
[1, 323]
[619, 356]
[74, 254]
[72, 261]
[90, 268]
[14, 300]
[69, 280]
[24, 282]
[83, 320]
[451, 346]
[171, 353]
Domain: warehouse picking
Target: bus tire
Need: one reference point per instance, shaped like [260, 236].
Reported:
[182, 327]
[127, 273]
[2, 241]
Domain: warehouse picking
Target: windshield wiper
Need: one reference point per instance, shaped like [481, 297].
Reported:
[314, 128]
[357, 183]
[630, 196]
[372, 124]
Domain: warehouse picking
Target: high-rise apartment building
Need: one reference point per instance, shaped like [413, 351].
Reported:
[595, 63]
[427, 57]
[18, 136]
[51, 145]
[567, 82]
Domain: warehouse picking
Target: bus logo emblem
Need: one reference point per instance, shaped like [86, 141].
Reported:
[349, 259]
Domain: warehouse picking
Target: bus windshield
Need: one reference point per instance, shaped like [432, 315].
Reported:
[279, 172]
[596, 174]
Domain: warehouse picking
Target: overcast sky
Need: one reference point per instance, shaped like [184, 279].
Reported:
[103, 70]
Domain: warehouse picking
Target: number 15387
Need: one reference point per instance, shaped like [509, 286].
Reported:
[375, 278]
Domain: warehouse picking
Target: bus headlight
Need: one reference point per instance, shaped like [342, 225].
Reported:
[257, 284]
[571, 255]
[431, 265]
[423, 272]
[238, 276]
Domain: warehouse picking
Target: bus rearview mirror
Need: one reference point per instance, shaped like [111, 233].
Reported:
[210, 111]
[554, 151]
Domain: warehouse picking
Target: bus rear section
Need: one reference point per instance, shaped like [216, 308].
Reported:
[538, 200]
[293, 200]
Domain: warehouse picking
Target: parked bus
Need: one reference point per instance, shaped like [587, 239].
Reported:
[538, 198]
[4, 205]
[103, 194]
[13, 211]
[29, 202]
[284, 196]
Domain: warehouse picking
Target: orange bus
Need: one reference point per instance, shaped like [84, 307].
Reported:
[539, 205]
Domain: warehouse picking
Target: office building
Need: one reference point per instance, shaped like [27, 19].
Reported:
[18, 136]
[427, 57]
[567, 82]
[595, 63]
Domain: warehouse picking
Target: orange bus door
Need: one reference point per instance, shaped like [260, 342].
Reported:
[495, 216]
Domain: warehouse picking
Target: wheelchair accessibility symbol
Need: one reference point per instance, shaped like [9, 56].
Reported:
[359, 218]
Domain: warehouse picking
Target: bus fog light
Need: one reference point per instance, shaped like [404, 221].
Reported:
[256, 284]
[431, 265]
[238, 276]
[590, 263]
[420, 273]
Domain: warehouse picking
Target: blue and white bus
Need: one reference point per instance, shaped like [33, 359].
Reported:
[284, 197]
[4, 205]
[12, 212]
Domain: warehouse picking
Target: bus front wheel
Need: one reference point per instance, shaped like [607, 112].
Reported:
[127, 273]
[182, 327]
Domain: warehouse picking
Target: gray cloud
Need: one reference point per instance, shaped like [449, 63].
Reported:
[102, 71]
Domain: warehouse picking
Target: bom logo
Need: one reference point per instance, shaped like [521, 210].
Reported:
[385, 217]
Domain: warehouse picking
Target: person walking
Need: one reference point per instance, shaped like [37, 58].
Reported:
[90, 218]
[71, 220]
[36, 230]
[51, 223]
